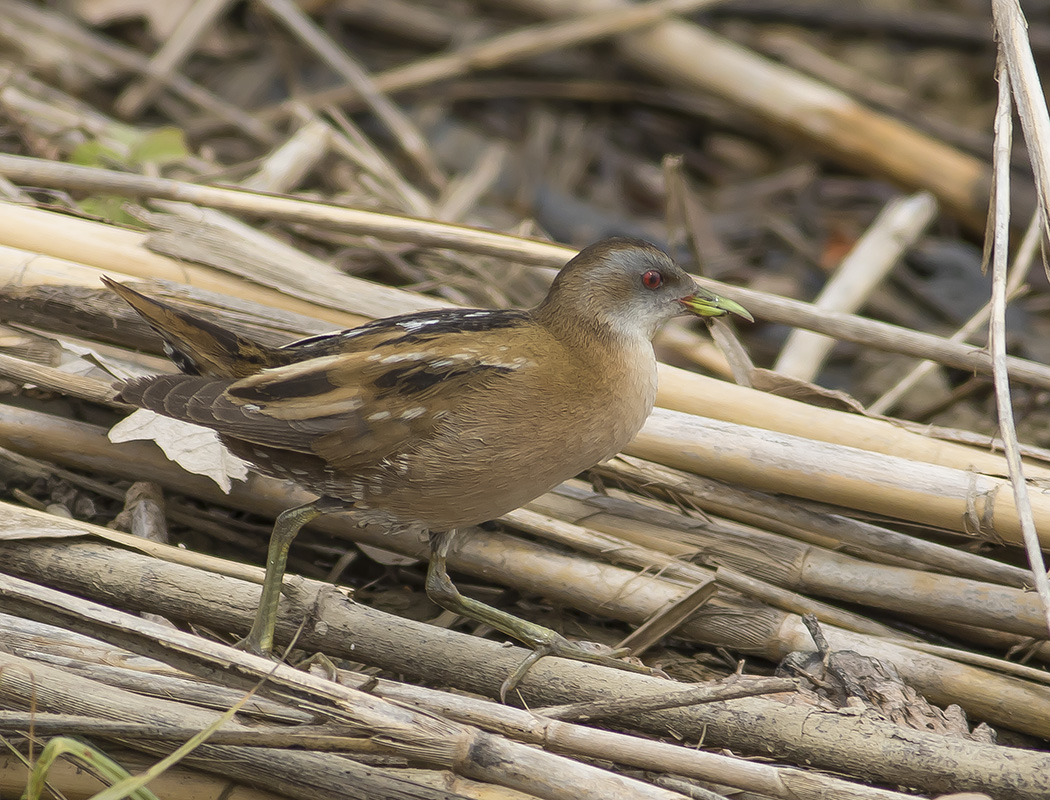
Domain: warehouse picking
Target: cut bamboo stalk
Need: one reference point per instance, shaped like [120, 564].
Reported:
[965, 501]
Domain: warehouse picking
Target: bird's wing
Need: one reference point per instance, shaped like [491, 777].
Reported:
[350, 409]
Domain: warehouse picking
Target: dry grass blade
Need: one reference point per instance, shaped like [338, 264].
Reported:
[193, 26]
[1015, 284]
[517, 45]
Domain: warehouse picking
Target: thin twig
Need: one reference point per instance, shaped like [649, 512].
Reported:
[195, 23]
[520, 44]
[408, 136]
[997, 337]
[1015, 282]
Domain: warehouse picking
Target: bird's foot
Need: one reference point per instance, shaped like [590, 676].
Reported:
[546, 642]
[542, 640]
[322, 662]
[252, 644]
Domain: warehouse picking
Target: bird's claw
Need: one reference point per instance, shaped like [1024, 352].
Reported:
[554, 644]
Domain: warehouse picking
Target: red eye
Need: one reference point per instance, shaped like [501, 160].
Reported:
[652, 279]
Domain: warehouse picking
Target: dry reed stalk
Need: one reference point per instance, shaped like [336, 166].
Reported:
[396, 729]
[72, 780]
[915, 491]
[214, 239]
[611, 591]
[879, 250]
[28, 683]
[604, 544]
[1017, 68]
[473, 663]
[932, 494]
[90, 657]
[517, 45]
[188, 31]
[1016, 285]
[793, 565]
[65, 36]
[82, 250]
[409, 138]
[58, 122]
[797, 520]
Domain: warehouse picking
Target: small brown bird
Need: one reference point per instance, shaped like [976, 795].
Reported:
[435, 420]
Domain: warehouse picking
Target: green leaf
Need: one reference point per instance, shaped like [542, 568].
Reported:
[109, 207]
[161, 146]
[95, 154]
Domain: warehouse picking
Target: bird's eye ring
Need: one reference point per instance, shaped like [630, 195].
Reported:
[652, 279]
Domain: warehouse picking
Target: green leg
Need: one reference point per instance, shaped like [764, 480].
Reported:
[285, 529]
[542, 640]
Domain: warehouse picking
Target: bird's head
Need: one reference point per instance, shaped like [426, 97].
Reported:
[630, 287]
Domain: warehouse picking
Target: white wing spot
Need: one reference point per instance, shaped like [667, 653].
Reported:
[516, 363]
[379, 415]
[416, 324]
[414, 412]
[398, 357]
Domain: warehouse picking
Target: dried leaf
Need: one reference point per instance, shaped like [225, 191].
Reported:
[195, 449]
[794, 389]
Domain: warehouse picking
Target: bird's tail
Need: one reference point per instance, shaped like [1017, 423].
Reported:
[197, 346]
